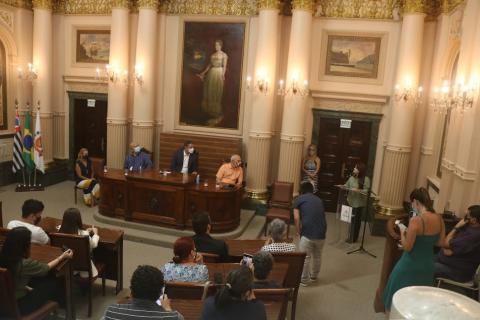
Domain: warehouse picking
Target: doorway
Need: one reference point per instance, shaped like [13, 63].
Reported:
[88, 124]
[343, 139]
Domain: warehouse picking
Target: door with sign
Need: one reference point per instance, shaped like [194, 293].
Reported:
[341, 144]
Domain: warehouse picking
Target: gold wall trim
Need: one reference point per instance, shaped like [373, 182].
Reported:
[211, 7]
[147, 4]
[363, 9]
[306, 5]
[42, 4]
[268, 4]
[26, 4]
[121, 4]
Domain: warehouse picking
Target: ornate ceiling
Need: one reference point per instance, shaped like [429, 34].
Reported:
[363, 9]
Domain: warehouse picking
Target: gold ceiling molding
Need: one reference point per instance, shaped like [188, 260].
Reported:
[212, 7]
[147, 4]
[363, 9]
[42, 4]
[448, 6]
[121, 4]
[26, 4]
[306, 5]
[268, 4]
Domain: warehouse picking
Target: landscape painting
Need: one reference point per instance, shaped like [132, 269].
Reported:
[353, 56]
[93, 46]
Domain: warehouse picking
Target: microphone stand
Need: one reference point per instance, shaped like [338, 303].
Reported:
[362, 249]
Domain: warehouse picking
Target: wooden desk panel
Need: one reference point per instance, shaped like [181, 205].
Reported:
[237, 248]
[114, 193]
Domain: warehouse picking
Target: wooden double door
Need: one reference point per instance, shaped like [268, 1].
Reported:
[341, 144]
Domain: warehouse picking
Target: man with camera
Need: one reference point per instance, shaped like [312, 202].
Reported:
[460, 260]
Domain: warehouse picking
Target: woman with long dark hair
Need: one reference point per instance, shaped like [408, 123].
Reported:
[33, 287]
[72, 224]
[358, 185]
[235, 300]
[84, 177]
[187, 264]
[415, 267]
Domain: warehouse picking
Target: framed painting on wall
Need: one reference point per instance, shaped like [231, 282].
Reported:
[211, 74]
[92, 46]
[353, 56]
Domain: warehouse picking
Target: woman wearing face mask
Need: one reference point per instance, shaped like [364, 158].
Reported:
[416, 266]
[358, 184]
[311, 167]
[84, 177]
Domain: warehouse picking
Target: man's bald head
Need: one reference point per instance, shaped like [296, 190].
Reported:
[235, 160]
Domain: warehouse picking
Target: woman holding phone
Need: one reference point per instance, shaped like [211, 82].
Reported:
[415, 267]
[187, 264]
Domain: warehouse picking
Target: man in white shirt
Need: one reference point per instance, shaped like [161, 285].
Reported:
[31, 215]
[185, 160]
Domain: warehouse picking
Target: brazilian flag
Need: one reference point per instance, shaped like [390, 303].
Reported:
[28, 144]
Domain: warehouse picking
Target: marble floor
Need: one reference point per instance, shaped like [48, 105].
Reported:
[344, 291]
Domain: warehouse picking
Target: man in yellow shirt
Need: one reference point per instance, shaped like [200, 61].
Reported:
[232, 172]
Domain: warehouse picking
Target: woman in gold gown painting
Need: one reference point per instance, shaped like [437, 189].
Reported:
[213, 78]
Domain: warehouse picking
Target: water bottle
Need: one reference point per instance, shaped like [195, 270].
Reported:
[197, 179]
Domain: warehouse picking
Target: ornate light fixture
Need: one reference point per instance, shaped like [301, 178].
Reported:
[407, 93]
[261, 84]
[460, 97]
[293, 88]
[30, 75]
[111, 74]
[139, 73]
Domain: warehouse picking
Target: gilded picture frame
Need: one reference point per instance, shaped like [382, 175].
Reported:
[92, 46]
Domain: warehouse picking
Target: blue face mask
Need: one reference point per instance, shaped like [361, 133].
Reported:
[414, 212]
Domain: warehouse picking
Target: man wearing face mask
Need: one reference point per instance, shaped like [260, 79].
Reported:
[461, 258]
[231, 173]
[185, 160]
[138, 159]
[31, 215]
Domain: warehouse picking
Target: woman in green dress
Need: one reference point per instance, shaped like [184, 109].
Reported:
[213, 78]
[358, 185]
[415, 267]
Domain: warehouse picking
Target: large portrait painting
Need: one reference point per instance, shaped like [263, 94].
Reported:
[353, 56]
[210, 90]
[92, 46]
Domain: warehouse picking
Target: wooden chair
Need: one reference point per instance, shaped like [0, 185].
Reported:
[81, 261]
[187, 290]
[295, 261]
[8, 302]
[210, 257]
[97, 167]
[280, 204]
[472, 286]
[267, 296]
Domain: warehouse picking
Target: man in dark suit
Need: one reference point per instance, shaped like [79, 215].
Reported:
[185, 160]
[203, 241]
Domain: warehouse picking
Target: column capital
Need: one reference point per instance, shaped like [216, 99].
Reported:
[121, 4]
[148, 4]
[306, 5]
[42, 4]
[416, 6]
[268, 4]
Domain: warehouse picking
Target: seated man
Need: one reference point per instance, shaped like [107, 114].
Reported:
[138, 159]
[31, 215]
[231, 173]
[203, 241]
[146, 287]
[262, 264]
[460, 260]
[185, 160]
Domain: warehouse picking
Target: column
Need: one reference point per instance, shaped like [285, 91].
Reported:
[399, 146]
[463, 152]
[260, 135]
[144, 96]
[117, 90]
[42, 61]
[292, 135]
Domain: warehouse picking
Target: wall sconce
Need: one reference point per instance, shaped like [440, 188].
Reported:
[407, 93]
[261, 84]
[446, 99]
[30, 75]
[110, 74]
[139, 74]
[293, 88]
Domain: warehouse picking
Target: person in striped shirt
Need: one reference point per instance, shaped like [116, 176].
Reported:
[146, 286]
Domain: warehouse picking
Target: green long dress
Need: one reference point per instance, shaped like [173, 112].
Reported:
[415, 268]
[213, 87]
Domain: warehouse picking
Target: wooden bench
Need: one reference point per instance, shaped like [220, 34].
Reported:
[213, 151]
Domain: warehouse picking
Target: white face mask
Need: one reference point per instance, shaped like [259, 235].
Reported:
[191, 150]
[137, 149]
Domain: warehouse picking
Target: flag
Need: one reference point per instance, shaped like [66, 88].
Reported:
[18, 163]
[28, 144]
[38, 148]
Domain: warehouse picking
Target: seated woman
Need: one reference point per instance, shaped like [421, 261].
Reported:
[84, 177]
[187, 264]
[72, 224]
[235, 300]
[33, 286]
[276, 241]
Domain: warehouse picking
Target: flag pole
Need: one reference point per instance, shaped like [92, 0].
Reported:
[23, 167]
[29, 173]
[35, 168]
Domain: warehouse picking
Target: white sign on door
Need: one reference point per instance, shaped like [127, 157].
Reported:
[345, 123]
[91, 103]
